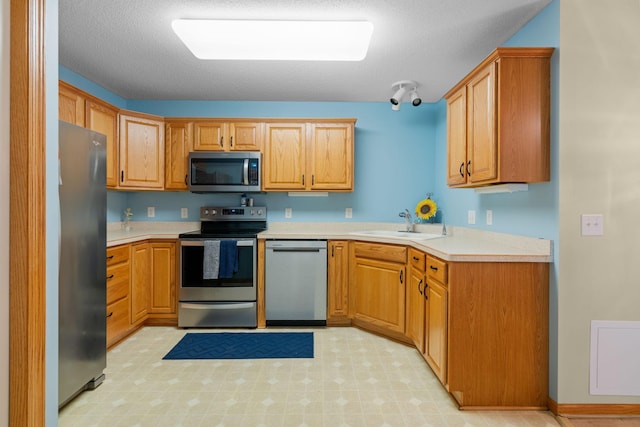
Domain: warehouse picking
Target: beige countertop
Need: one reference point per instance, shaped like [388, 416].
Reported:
[144, 230]
[460, 243]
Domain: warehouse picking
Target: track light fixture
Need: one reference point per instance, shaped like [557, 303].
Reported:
[401, 88]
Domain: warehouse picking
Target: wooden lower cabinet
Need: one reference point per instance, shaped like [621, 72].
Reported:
[118, 268]
[163, 299]
[338, 283]
[140, 269]
[498, 334]
[416, 301]
[377, 287]
[435, 346]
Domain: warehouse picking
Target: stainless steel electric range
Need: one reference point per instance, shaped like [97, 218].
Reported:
[218, 268]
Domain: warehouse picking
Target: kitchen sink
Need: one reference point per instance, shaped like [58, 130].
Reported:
[405, 235]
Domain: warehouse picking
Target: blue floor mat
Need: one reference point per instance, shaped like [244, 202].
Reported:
[244, 345]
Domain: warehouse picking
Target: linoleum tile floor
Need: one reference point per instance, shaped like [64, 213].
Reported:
[355, 379]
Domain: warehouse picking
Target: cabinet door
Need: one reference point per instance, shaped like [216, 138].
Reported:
[338, 281]
[378, 293]
[246, 136]
[482, 144]
[70, 105]
[141, 152]
[284, 157]
[177, 146]
[415, 308]
[331, 157]
[140, 273]
[209, 136]
[435, 349]
[104, 119]
[457, 138]
[163, 278]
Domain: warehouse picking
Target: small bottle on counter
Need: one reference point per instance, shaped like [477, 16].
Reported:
[243, 200]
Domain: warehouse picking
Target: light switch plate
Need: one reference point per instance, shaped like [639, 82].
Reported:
[489, 217]
[592, 224]
[184, 213]
[348, 213]
[151, 212]
[287, 212]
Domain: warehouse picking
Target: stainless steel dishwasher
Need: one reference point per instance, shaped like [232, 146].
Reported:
[296, 282]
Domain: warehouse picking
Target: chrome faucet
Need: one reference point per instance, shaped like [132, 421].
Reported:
[407, 219]
[444, 227]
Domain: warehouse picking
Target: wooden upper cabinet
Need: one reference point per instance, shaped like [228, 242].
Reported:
[284, 156]
[178, 142]
[70, 104]
[223, 135]
[103, 118]
[312, 156]
[209, 136]
[82, 109]
[141, 151]
[331, 156]
[498, 120]
[246, 136]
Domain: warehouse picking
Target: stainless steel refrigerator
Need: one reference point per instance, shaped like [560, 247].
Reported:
[82, 251]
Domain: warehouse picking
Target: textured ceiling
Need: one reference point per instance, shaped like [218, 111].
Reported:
[129, 48]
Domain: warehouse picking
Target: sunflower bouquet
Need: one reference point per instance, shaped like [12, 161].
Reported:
[426, 208]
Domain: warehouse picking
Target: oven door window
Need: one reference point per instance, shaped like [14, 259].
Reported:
[193, 269]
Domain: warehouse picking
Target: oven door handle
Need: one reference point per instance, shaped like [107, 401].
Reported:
[201, 242]
[209, 306]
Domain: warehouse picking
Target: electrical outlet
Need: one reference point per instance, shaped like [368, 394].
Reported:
[471, 217]
[489, 217]
[287, 212]
[151, 212]
[348, 213]
[184, 213]
[592, 224]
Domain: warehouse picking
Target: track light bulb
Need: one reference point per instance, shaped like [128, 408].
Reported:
[396, 99]
[415, 98]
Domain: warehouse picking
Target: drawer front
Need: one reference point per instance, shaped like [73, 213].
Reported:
[118, 285]
[382, 252]
[417, 259]
[437, 270]
[117, 254]
[117, 319]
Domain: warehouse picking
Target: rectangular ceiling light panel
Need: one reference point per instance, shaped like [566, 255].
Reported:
[275, 40]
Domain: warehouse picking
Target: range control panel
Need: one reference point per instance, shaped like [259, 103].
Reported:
[242, 213]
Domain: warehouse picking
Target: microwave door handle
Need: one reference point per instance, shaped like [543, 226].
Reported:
[245, 172]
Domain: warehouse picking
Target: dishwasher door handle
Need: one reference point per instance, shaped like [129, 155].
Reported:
[294, 249]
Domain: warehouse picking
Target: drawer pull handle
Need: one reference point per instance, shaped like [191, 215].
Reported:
[433, 268]
[110, 257]
[110, 314]
[110, 277]
[415, 258]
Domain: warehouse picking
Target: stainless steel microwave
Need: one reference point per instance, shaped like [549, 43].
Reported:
[232, 172]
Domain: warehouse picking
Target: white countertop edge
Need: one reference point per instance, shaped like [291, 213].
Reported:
[460, 244]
